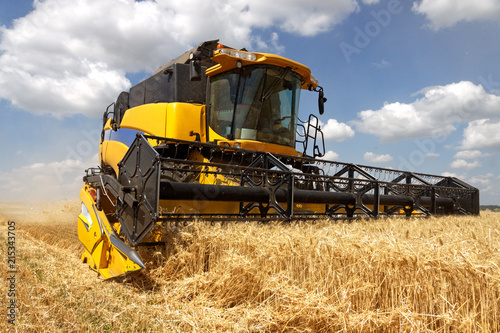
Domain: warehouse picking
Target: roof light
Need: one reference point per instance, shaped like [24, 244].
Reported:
[314, 80]
[239, 54]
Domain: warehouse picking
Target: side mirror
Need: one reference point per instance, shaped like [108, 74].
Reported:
[194, 66]
[321, 101]
[194, 70]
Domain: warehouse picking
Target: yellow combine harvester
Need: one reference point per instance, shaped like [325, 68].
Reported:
[215, 135]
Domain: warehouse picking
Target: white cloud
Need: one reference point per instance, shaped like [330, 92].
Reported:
[489, 187]
[382, 64]
[449, 174]
[335, 131]
[299, 17]
[68, 57]
[446, 13]
[330, 156]
[432, 115]
[463, 164]
[42, 181]
[370, 2]
[470, 154]
[482, 180]
[272, 44]
[482, 134]
[374, 158]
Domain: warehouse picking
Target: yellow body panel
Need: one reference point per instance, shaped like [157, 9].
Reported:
[170, 120]
[184, 119]
[215, 136]
[112, 153]
[95, 232]
[89, 229]
[118, 264]
[147, 118]
[227, 62]
[107, 125]
[253, 145]
[263, 146]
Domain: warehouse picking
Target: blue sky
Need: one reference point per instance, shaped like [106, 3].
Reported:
[411, 85]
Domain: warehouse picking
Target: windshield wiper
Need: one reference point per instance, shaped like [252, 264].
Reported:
[274, 84]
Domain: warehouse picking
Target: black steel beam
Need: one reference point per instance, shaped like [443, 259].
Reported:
[204, 192]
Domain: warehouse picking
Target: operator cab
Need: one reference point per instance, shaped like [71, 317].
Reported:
[253, 101]
[257, 102]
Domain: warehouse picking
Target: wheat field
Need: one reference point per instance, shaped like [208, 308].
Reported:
[386, 275]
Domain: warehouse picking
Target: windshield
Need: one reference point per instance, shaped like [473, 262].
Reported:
[256, 103]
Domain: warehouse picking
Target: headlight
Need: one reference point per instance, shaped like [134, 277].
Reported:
[239, 54]
[314, 80]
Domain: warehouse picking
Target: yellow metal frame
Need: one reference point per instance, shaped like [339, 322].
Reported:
[227, 62]
[94, 231]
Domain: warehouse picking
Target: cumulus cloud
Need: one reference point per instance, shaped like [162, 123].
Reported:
[463, 164]
[374, 158]
[482, 180]
[470, 154]
[330, 156]
[433, 115]
[482, 134]
[57, 180]
[446, 13]
[449, 174]
[382, 64]
[68, 57]
[336, 131]
[488, 185]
